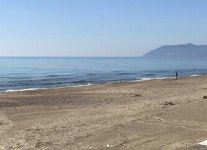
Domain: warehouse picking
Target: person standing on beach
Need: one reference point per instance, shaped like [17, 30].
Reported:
[176, 75]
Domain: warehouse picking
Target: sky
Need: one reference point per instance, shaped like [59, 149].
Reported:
[108, 28]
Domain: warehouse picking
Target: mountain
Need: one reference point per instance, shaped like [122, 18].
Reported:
[179, 51]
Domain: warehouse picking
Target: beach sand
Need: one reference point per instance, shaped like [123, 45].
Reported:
[164, 114]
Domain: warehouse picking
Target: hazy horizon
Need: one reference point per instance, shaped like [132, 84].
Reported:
[105, 28]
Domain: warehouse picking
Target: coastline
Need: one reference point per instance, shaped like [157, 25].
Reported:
[95, 84]
[155, 114]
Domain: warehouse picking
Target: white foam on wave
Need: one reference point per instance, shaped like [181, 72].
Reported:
[146, 79]
[22, 90]
[149, 79]
[35, 89]
[161, 78]
[157, 78]
[194, 75]
[89, 84]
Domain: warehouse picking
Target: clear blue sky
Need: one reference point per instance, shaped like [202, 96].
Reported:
[98, 27]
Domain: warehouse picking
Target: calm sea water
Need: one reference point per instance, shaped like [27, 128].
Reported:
[26, 73]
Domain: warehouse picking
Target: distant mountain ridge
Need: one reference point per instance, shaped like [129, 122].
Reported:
[188, 50]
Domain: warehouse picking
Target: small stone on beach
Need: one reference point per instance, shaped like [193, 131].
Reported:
[137, 95]
[204, 97]
[169, 103]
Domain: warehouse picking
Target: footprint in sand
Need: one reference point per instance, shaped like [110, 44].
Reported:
[5, 123]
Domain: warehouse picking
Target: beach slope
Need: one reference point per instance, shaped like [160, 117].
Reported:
[164, 114]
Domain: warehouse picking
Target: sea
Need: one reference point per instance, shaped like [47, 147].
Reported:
[31, 73]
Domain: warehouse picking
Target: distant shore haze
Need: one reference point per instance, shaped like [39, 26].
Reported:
[188, 50]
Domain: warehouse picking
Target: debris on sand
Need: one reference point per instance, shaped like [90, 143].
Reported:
[167, 103]
[3, 123]
[204, 97]
[137, 95]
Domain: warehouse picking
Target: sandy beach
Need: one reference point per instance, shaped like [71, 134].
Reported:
[149, 115]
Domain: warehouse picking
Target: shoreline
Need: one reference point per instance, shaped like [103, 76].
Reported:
[96, 84]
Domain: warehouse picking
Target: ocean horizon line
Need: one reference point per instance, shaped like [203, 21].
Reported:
[70, 56]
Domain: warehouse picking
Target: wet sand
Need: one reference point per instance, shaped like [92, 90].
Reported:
[150, 115]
